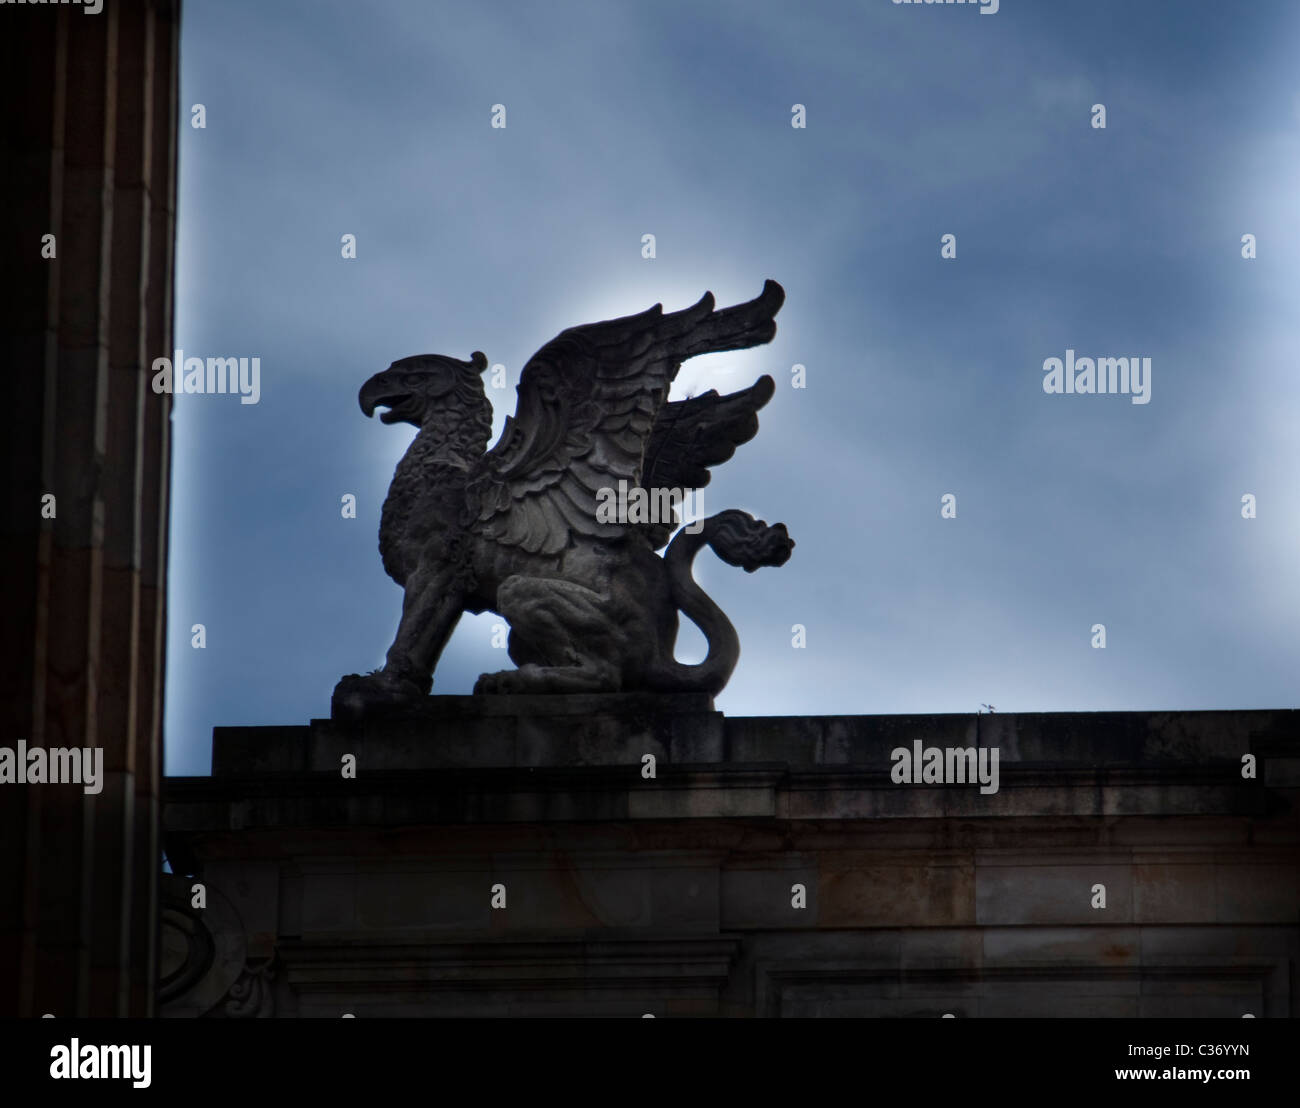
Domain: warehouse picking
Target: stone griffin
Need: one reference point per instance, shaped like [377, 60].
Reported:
[592, 606]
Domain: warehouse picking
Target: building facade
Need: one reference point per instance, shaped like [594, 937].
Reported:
[493, 858]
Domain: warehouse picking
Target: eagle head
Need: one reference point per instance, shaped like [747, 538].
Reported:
[408, 386]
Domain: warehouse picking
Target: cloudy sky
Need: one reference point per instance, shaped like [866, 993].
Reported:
[924, 375]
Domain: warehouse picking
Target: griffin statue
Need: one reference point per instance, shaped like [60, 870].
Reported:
[516, 529]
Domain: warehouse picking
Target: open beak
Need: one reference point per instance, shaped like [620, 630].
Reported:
[380, 391]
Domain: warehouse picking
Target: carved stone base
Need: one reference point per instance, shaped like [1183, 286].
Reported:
[459, 732]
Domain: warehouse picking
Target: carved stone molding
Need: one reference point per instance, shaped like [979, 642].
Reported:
[251, 996]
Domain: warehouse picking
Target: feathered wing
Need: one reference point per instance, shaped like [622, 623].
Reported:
[589, 405]
[692, 435]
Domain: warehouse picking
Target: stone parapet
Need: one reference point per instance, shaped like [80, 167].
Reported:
[494, 857]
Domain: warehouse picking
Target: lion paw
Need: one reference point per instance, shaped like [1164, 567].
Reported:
[355, 693]
[501, 683]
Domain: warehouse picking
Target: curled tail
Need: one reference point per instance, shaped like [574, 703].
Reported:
[739, 540]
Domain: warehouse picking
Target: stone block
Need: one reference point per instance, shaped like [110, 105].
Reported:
[1052, 894]
[760, 897]
[1174, 892]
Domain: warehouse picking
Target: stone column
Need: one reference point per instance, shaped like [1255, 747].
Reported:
[91, 159]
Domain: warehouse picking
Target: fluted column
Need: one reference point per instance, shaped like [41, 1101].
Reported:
[92, 159]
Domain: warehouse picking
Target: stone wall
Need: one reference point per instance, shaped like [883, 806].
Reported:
[679, 895]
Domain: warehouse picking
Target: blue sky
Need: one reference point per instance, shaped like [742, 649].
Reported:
[924, 375]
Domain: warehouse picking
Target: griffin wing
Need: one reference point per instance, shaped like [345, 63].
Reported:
[589, 404]
[691, 435]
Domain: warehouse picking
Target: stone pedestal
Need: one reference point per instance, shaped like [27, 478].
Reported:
[507, 856]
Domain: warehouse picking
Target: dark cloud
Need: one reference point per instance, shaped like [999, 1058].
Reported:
[924, 376]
